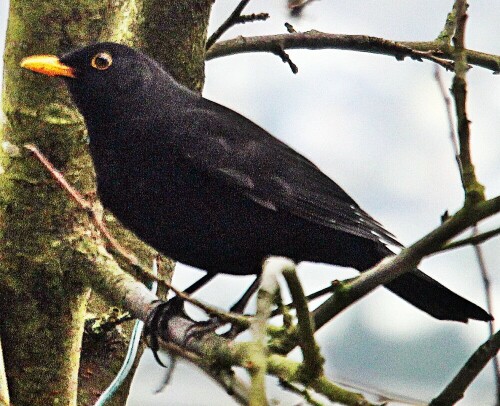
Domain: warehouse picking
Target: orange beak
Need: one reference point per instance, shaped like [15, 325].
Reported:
[48, 65]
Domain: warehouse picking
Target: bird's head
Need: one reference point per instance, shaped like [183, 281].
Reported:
[101, 77]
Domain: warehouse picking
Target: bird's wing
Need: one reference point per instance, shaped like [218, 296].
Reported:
[242, 155]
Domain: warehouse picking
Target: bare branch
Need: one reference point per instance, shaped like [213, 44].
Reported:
[449, 113]
[286, 59]
[434, 51]
[474, 191]
[313, 361]
[84, 204]
[450, 25]
[235, 18]
[408, 259]
[474, 240]
[455, 390]
[489, 304]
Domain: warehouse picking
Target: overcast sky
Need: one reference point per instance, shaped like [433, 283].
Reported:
[377, 127]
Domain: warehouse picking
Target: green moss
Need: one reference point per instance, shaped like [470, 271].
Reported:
[42, 299]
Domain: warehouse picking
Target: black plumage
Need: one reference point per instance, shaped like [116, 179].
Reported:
[209, 188]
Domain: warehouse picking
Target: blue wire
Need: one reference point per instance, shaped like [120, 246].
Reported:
[128, 362]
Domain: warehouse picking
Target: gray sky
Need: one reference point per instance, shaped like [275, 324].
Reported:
[377, 127]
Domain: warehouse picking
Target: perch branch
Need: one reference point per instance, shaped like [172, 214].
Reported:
[313, 361]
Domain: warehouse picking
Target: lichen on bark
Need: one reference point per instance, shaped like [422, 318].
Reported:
[42, 298]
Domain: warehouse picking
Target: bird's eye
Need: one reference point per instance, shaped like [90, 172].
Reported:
[101, 61]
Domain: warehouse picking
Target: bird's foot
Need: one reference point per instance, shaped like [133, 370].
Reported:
[200, 328]
[155, 323]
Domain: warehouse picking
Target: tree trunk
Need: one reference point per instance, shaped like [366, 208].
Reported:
[42, 302]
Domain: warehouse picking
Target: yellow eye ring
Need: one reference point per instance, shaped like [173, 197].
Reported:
[101, 61]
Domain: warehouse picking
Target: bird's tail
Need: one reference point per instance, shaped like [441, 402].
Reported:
[426, 293]
[435, 299]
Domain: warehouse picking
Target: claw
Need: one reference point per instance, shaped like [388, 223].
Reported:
[202, 327]
[153, 325]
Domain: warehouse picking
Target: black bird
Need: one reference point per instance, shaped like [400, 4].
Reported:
[209, 188]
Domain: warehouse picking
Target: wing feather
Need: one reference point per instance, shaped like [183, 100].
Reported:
[242, 155]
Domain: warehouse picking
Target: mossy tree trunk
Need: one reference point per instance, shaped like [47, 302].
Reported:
[42, 302]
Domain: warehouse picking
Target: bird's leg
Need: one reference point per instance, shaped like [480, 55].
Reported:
[199, 283]
[215, 322]
[240, 305]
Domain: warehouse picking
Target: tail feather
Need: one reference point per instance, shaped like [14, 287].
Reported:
[435, 299]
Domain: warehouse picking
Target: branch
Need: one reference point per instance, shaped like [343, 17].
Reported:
[474, 191]
[313, 361]
[84, 204]
[347, 293]
[235, 18]
[455, 390]
[290, 371]
[392, 267]
[265, 297]
[434, 51]
[234, 387]
[476, 239]
[450, 26]
[455, 23]
[217, 355]
[489, 305]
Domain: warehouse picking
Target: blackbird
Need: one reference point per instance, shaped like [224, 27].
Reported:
[209, 188]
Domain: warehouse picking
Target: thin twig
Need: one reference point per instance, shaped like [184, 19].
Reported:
[84, 204]
[449, 113]
[279, 51]
[489, 304]
[456, 388]
[474, 240]
[434, 51]
[301, 392]
[235, 18]
[450, 26]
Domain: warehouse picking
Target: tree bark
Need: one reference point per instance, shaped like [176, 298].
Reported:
[42, 300]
